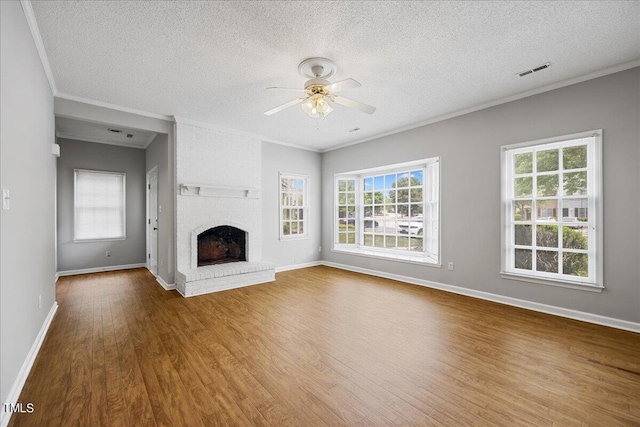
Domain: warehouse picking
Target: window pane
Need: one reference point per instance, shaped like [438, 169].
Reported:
[403, 210]
[301, 227]
[378, 241]
[547, 261]
[342, 237]
[368, 184]
[575, 210]
[391, 196]
[390, 181]
[351, 211]
[416, 177]
[368, 198]
[351, 238]
[575, 264]
[402, 242]
[575, 183]
[378, 183]
[294, 227]
[351, 185]
[368, 240]
[522, 210]
[286, 214]
[523, 259]
[294, 213]
[416, 195]
[547, 161]
[523, 187]
[547, 236]
[368, 211]
[548, 185]
[301, 213]
[403, 196]
[342, 185]
[522, 234]
[523, 163]
[416, 244]
[390, 242]
[416, 210]
[547, 210]
[351, 198]
[574, 157]
[575, 238]
[342, 212]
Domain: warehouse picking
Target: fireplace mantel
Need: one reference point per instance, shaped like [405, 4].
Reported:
[216, 191]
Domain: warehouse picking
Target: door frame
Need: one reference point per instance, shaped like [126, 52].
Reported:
[148, 225]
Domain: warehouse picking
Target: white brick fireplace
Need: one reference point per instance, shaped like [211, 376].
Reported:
[218, 175]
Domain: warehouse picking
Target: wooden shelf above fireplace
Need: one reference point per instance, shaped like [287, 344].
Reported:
[214, 191]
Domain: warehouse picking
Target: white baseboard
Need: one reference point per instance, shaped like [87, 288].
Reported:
[297, 266]
[16, 389]
[529, 305]
[165, 285]
[99, 269]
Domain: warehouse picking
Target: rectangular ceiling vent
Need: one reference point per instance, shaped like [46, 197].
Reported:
[534, 70]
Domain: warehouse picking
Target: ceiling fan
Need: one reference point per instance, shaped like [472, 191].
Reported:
[319, 93]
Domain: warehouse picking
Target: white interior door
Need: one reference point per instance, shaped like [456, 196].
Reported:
[152, 221]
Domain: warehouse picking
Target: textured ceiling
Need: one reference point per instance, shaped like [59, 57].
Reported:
[96, 132]
[211, 61]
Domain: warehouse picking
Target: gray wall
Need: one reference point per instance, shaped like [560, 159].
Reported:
[93, 156]
[469, 147]
[28, 170]
[279, 158]
[160, 153]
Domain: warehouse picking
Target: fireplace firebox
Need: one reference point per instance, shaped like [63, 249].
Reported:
[222, 244]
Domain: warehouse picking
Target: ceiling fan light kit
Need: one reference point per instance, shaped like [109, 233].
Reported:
[319, 91]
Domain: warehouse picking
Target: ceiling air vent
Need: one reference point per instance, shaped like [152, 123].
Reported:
[534, 70]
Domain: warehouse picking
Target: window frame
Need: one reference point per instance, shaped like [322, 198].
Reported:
[304, 207]
[423, 257]
[594, 195]
[75, 206]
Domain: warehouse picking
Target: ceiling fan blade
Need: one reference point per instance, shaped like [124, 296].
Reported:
[353, 104]
[284, 106]
[342, 85]
[287, 88]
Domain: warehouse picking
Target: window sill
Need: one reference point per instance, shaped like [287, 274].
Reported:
[98, 240]
[551, 282]
[293, 238]
[410, 259]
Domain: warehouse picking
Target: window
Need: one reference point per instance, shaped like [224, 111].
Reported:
[552, 223]
[390, 212]
[99, 204]
[293, 206]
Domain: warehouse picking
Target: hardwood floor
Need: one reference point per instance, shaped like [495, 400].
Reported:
[321, 346]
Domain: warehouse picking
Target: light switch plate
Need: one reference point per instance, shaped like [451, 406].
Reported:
[6, 197]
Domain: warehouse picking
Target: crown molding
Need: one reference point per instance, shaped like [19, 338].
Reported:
[190, 122]
[547, 88]
[98, 140]
[27, 8]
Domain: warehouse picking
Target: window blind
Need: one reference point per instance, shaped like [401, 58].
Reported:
[99, 205]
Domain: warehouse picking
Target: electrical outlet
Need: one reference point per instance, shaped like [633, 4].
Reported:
[319, 248]
[108, 253]
[450, 266]
[39, 301]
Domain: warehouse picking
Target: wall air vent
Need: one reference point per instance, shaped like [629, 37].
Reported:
[534, 70]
